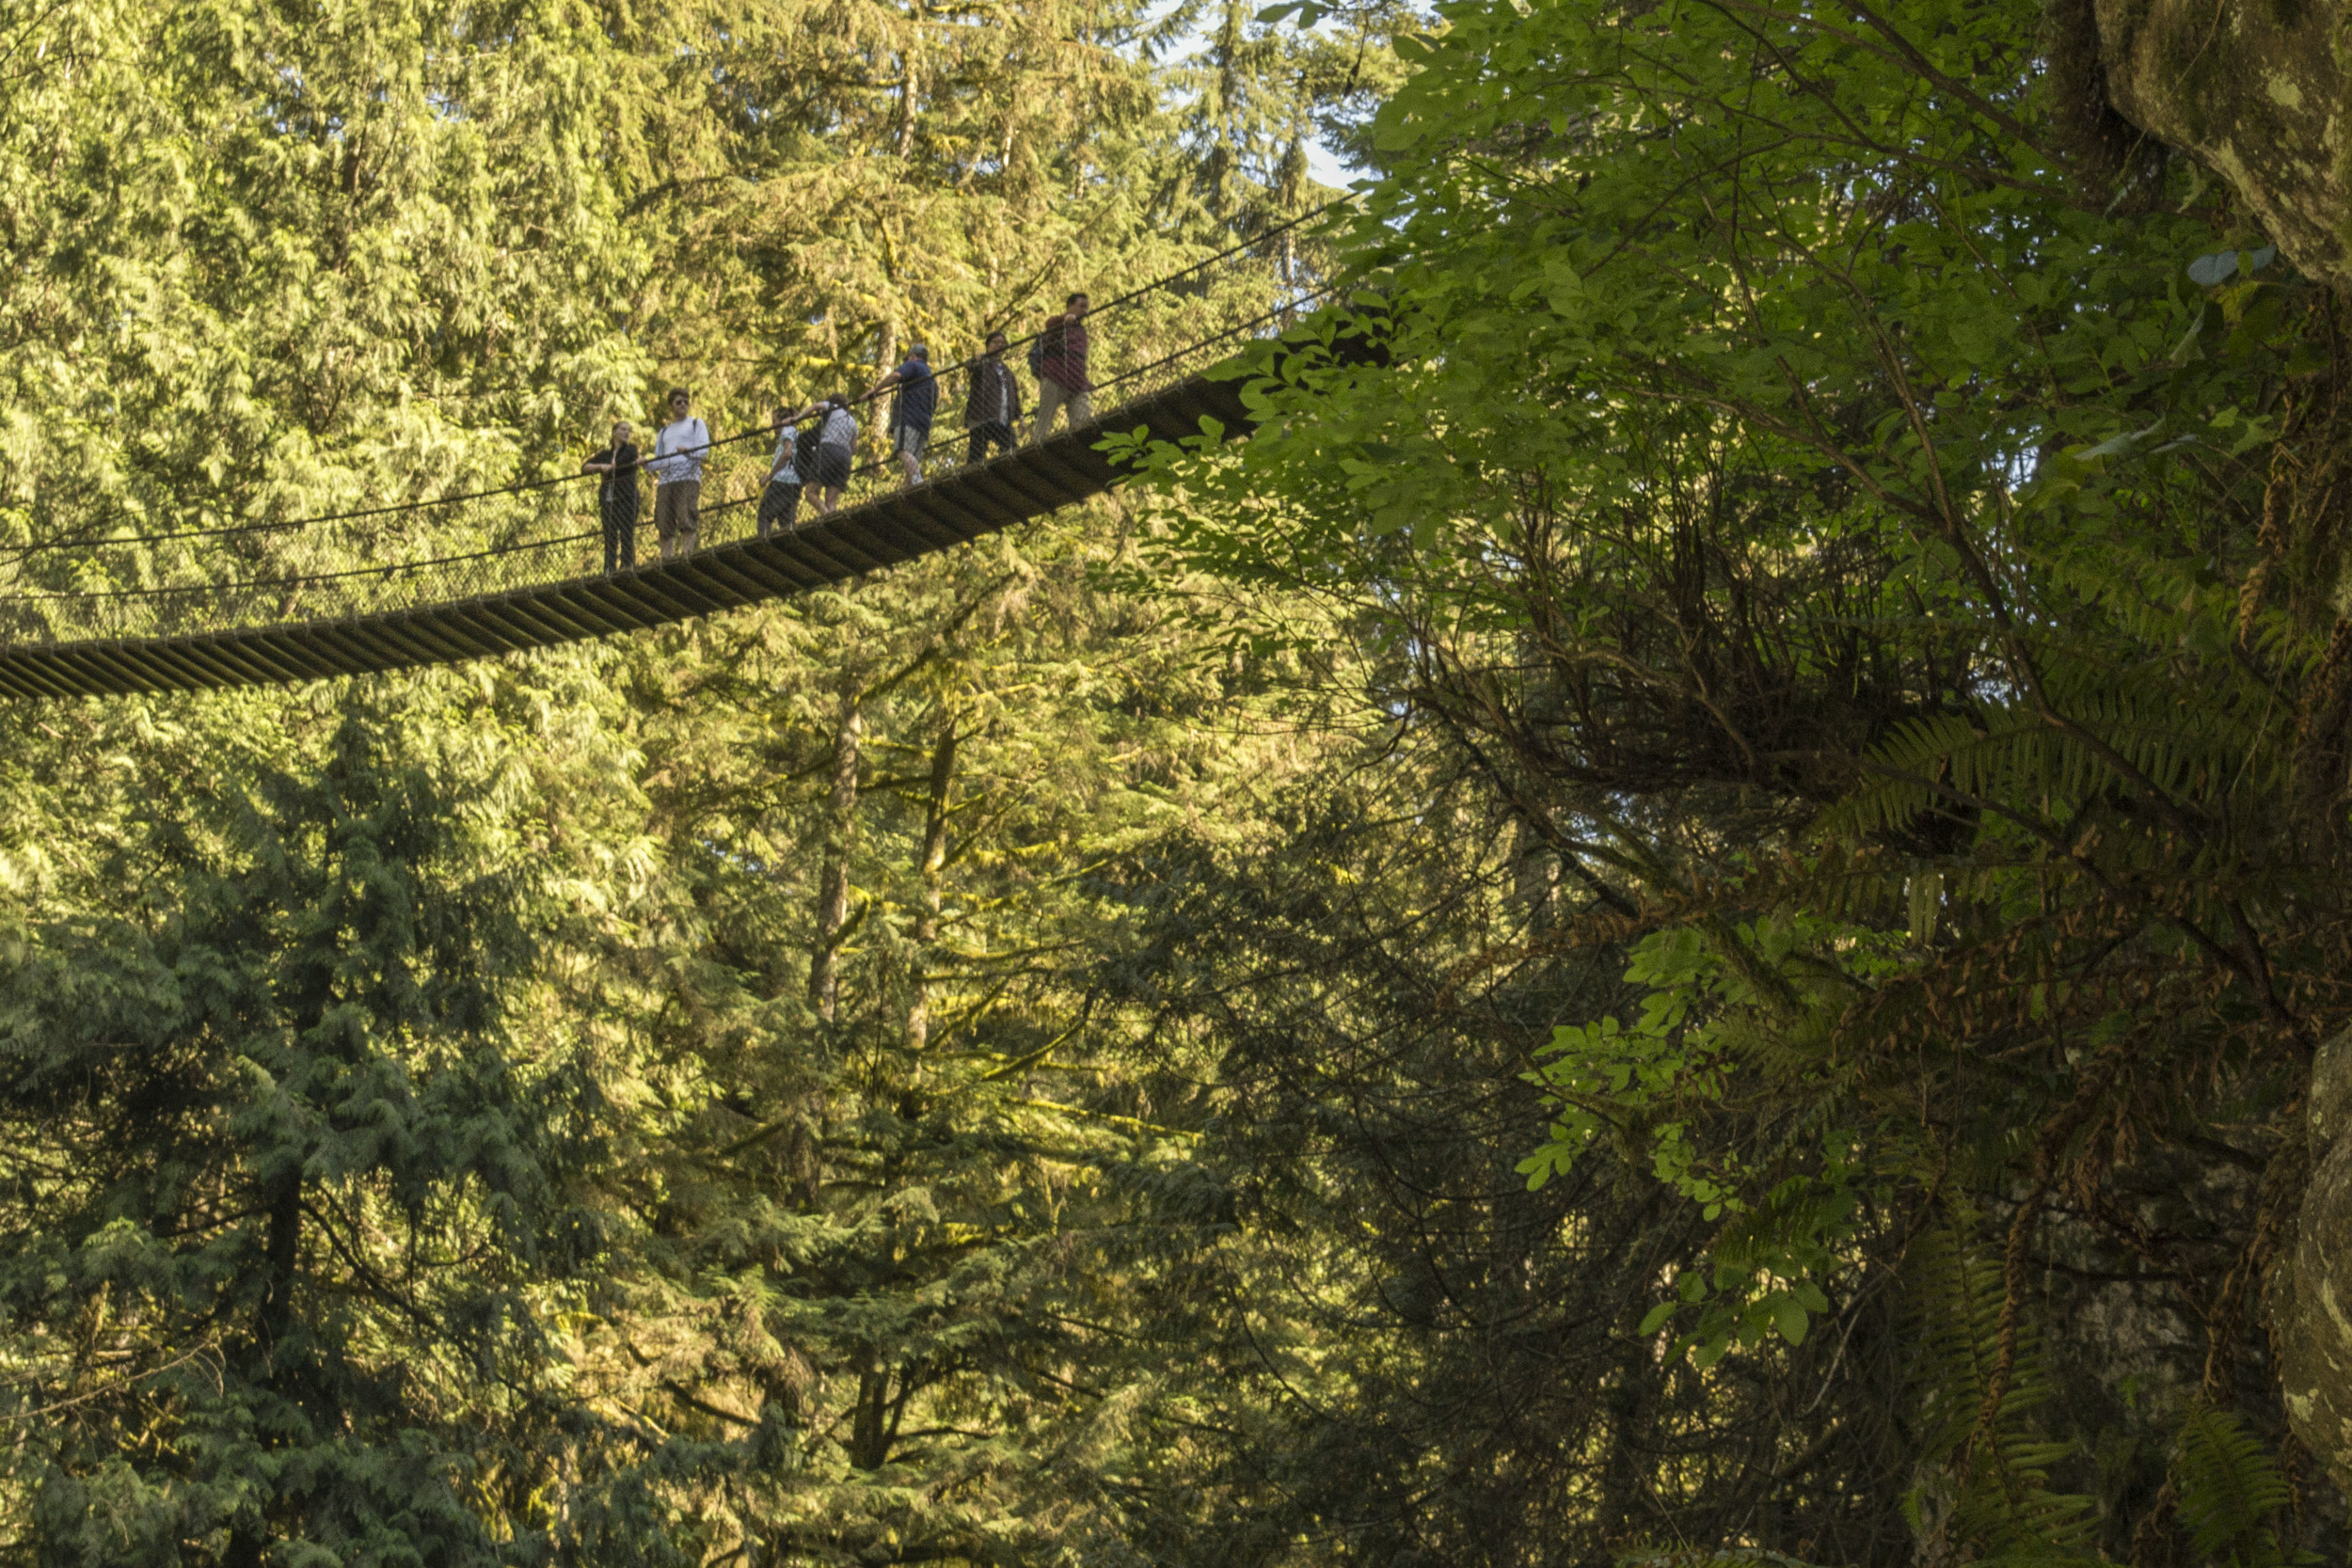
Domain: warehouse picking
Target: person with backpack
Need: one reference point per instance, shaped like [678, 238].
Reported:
[617, 500]
[1059, 359]
[812, 429]
[678, 468]
[836, 444]
[780, 501]
[993, 405]
[914, 399]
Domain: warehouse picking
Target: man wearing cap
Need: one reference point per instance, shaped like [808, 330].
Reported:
[913, 396]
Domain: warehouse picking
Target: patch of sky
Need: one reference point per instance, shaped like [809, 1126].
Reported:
[1182, 29]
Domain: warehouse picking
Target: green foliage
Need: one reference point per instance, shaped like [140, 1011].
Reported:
[637, 1104]
[1712, 999]
[1992, 1484]
[899, 1238]
[275, 261]
[1800, 669]
[614, 1237]
[292, 1184]
[1821, 498]
[2231, 1489]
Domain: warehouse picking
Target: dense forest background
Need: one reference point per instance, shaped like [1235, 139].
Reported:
[1694, 915]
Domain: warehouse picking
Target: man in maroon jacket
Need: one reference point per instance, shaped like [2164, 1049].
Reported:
[1061, 374]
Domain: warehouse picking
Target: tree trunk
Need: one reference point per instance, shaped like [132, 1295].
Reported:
[1290, 277]
[278, 1252]
[2312, 1182]
[281, 1247]
[874, 1428]
[933, 863]
[2255, 93]
[908, 80]
[877, 427]
[833, 882]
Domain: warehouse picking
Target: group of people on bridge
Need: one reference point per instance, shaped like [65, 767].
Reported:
[815, 444]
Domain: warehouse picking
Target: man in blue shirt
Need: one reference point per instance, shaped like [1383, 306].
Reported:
[911, 403]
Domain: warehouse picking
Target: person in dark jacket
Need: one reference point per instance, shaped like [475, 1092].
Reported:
[992, 406]
[780, 501]
[812, 429]
[617, 500]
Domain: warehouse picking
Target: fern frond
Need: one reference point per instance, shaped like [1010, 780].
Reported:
[2229, 1488]
[2006, 1504]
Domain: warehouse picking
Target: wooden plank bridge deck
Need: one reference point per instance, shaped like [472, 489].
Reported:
[899, 526]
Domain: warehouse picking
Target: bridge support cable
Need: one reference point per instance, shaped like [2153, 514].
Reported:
[492, 572]
[884, 528]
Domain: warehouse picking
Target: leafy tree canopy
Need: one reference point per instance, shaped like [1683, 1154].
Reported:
[1871, 520]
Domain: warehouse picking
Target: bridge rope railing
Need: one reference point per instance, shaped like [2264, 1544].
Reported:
[372, 560]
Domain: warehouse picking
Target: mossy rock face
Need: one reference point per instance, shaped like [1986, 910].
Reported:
[2312, 1326]
[2256, 91]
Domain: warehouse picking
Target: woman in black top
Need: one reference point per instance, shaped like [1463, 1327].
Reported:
[616, 497]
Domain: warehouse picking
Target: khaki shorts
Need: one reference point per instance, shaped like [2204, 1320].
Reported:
[1052, 396]
[678, 512]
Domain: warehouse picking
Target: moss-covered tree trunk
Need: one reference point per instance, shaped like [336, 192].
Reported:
[2256, 93]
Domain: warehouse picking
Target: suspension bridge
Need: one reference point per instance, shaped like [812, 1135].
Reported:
[460, 577]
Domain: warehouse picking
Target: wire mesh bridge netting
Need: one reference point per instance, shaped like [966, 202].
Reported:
[172, 585]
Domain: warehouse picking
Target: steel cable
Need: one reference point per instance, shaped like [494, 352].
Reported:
[488, 572]
[439, 503]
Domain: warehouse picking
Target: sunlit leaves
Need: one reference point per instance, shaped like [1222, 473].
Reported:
[1829, 506]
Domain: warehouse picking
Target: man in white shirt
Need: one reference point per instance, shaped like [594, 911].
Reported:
[678, 468]
[833, 451]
